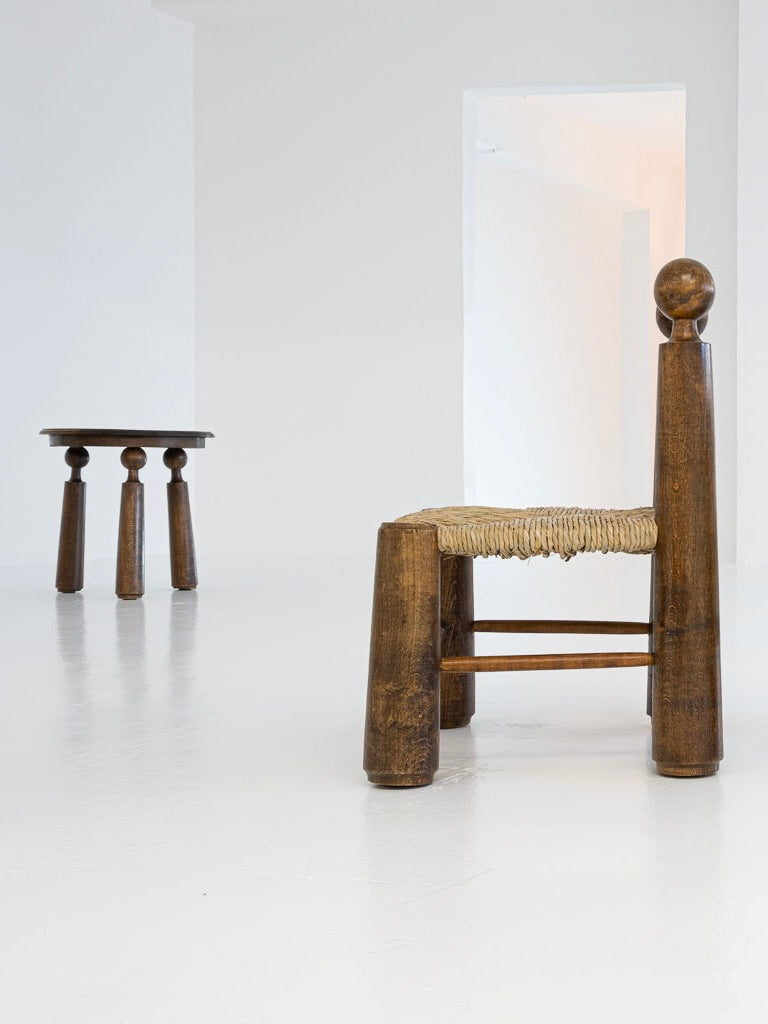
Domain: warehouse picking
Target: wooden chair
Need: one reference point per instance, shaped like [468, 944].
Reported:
[422, 663]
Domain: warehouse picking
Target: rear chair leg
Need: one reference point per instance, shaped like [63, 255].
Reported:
[686, 718]
[651, 619]
[403, 714]
[457, 689]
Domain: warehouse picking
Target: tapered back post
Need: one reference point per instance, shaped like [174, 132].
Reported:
[686, 714]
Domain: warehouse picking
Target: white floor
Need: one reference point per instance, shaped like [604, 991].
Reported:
[186, 834]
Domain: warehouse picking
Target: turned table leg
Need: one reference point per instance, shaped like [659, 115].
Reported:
[129, 583]
[69, 569]
[182, 541]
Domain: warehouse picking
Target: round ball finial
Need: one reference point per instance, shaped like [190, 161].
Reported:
[134, 458]
[77, 458]
[175, 458]
[684, 290]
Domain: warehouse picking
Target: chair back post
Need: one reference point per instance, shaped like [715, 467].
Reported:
[686, 705]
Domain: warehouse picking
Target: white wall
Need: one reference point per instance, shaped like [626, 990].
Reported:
[753, 236]
[329, 325]
[329, 237]
[96, 253]
[543, 405]
[578, 200]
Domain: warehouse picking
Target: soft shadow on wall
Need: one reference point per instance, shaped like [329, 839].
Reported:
[572, 203]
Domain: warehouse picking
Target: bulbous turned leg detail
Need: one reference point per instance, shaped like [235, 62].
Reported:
[182, 541]
[457, 689]
[69, 567]
[402, 729]
[129, 582]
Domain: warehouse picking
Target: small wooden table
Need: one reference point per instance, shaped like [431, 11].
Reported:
[129, 583]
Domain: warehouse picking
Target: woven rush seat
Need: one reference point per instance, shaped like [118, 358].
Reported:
[423, 664]
[525, 532]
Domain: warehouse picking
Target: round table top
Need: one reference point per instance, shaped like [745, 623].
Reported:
[90, 437]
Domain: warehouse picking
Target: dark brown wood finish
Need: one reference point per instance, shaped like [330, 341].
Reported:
[104, 437]
[129, 582]
[664, 323]
[130, 565]
[457, 689]
[686, 703]
[69, 567]
[182, 541]
[649, 681]
[544, 662]
[684, 655]
[586, 628]
[402, 733]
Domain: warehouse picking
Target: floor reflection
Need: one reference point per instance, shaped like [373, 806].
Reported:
[131, 650]
[407, 832]
[181, 645]
[72, 642]
[686, 875]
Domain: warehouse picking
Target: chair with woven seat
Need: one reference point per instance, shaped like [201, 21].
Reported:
[422, 661]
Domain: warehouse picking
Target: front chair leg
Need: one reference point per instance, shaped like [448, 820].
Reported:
[402, 729]
[457, 689]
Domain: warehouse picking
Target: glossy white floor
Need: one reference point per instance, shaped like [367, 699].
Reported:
[187, 835]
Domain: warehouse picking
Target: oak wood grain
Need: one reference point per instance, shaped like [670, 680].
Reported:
[544, 662]
[402, 731]
[585, 627]
[683, 659]
[686, 703]
[457, 689]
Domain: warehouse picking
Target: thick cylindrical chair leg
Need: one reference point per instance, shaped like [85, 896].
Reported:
[651, 619]
[686, 711]
[686, 715]
[457, 689]
[402, 730]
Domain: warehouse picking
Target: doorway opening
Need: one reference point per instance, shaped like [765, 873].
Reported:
[573, 201]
